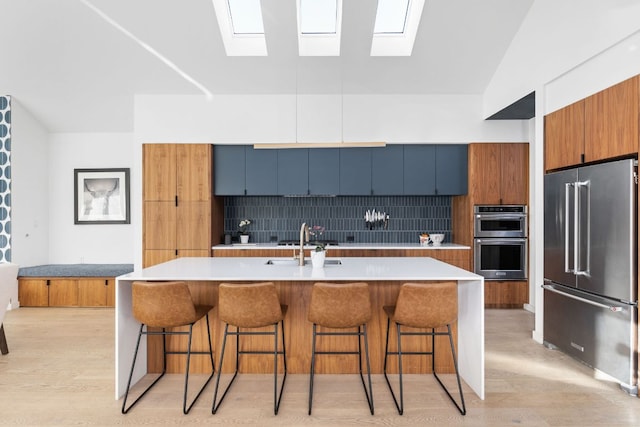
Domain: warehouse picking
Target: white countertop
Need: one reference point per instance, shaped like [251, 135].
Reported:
[343, 246]
[256, 268]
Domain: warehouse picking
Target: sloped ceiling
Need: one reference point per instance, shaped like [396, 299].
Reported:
[77, 64]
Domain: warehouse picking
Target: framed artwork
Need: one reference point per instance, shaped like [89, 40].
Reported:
[101, 196]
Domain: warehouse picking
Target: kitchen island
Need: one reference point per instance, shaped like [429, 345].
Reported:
[384, 275]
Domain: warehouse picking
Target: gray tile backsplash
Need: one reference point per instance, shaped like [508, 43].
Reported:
[342, 216]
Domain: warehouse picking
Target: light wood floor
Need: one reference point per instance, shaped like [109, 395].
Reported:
[60, 371]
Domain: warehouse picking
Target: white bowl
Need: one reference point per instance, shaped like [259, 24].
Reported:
[436, 239]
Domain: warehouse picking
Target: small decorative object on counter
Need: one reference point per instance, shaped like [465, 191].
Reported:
[318, 256]
[424, 239]
[315, 232]
[242, 230]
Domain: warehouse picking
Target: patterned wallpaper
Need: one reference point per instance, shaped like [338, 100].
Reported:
[341, 216]
[5, 178]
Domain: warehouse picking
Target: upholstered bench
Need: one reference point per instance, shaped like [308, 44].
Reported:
[69, 285]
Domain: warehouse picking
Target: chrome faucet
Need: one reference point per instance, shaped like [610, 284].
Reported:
[304, 234]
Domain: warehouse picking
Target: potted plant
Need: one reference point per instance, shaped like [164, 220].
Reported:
[242, 230]
[318, 255]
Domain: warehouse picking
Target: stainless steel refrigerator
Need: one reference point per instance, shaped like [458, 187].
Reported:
[590, 267]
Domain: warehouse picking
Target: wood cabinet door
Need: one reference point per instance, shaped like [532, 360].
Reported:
[514, 180]
[193, 172]
[611, 122]
[159, 172]
[159, 225]
[564, 136]
[158, 256]
[92, 292]
[484, 170]
[63, 292]
[193, 229]
[33, 292]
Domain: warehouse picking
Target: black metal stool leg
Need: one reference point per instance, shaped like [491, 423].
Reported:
[313, 367]
[366, 352]
[215, 406]
[186, 409]
[277, 398]
[133, 365]
[463, 409]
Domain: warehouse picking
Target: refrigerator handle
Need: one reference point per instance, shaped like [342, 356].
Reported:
[567, 188]
[553, 289]
[583, 218]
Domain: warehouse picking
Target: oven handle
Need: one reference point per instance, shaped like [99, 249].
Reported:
[500, 240]
[553, 289]
[501, 216]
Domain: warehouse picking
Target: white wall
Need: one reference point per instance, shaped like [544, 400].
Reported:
[29, 189]
[272, 118]
[556, 37]
[75, 244]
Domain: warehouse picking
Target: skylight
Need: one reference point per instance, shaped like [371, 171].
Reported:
[246, 16]
[318, 16]
[396, 27]
[241, 27]
[319, 27]
[391, 16]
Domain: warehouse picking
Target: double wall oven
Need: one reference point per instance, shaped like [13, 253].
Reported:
[500, 241]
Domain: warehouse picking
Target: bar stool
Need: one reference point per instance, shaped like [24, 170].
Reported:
[423, 306]
[167, 305]
[251, 306]
[341, 306]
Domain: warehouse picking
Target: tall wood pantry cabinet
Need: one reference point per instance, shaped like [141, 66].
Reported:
[178, 203]
[498, 174]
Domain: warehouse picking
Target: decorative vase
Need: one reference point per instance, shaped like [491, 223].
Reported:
[244, 238]
[317, 258]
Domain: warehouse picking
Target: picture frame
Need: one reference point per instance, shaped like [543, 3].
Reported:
[101, 196]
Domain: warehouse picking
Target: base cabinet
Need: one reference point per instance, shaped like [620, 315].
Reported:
[67, 292]
[506, 294]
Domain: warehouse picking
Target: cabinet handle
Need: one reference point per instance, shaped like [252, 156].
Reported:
[176, 200]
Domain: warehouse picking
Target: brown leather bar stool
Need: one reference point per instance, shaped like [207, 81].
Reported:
[167, 305]
[341, 306]
[423, 306]
[251, 306]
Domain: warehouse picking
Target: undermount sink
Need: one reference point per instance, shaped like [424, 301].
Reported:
[295, 262]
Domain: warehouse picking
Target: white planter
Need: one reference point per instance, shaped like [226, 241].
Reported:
[317, 258]
[244, 238]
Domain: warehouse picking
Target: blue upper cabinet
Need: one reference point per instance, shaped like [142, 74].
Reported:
[451, 169]
[419, 170]
[411, 169]
[355, 171]
[324, 171]
[261, 172]
[387, 170]
[228, 170]
[293, 172]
